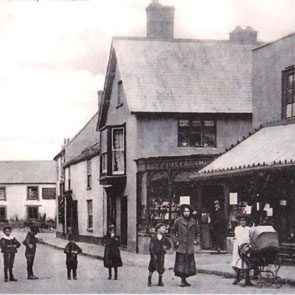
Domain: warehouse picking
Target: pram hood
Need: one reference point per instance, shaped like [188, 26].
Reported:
[264, 236]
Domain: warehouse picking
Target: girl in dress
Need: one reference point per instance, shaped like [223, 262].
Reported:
[242, 236]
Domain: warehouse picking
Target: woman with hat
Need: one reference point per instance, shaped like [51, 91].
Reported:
[242, 236]
[183, 237]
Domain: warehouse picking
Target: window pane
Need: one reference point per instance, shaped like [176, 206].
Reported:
[209, 139]
[118, 161]
[290, 97]
[48, 193]
[290, 81]
[184, 123]
[293, 114]
[90, 207]
[118, 139]
[89, 167]
[209, 123]
[33, 212]
[289, 111]
[104, 162]
[33, 193]
[196, 138]
[2, 193]
[104, 141]
[197, 123]
[2, 213]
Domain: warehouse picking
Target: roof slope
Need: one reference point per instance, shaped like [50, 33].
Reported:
[268, 146]
[185, 75]
[27, 172]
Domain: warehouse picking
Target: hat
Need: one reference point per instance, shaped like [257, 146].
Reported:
[158, 225]
[7, 227]
[111, 226]
[216, 202]
[244, 216]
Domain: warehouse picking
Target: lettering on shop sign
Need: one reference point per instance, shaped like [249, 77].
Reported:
[172, 165]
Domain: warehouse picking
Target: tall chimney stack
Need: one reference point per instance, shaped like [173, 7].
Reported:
[160, 21]
[240, 35]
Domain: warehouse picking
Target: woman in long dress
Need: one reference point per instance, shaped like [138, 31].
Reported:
[242, 236]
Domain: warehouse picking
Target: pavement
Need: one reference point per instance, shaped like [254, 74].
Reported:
[206, 262]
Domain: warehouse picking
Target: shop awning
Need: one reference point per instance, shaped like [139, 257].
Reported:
[269, 147]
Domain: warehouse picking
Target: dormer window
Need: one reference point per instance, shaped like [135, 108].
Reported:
[289, 93]
[119, 93]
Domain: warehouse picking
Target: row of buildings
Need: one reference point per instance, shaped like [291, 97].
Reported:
[169, 108]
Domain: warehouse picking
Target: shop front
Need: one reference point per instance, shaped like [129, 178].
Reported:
[163, 184]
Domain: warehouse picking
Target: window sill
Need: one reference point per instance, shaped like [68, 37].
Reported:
[119, 105]
[90, 230]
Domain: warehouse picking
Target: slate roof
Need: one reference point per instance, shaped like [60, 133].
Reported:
[22, 172]
[268, 147]
[86, 154]
[184, 76]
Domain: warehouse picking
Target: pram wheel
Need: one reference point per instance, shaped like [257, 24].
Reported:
[267, 277]
[278, 282]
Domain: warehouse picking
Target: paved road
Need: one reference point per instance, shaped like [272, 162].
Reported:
[92, 278]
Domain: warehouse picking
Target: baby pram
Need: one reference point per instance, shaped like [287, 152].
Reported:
[261, 256]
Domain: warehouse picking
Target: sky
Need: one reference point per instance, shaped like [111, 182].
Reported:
[53, 57]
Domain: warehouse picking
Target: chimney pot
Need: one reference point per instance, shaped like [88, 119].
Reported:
[248, 35]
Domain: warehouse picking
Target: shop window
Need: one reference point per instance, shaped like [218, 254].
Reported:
[112, 160]
[196, 133]
[33, 193]
[2, 194]
[88, 174]
[90, 214]
[3, 213]
[289, 93]
[33, 212]
[48, 193]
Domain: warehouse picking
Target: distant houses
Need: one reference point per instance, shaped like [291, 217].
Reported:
[27, 191]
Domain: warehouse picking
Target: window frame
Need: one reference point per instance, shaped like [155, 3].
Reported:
[32, 207]
[28, 194]
[89, 173]
[286, 88]
[194, 129]
[106, 169]
[120, 172]
[4, 188]
[5, 213]
[89, 215]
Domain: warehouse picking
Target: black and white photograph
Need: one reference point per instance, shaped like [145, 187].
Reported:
[147, 146]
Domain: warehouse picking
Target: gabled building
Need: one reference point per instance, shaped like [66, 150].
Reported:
[258, 174]
[170, 106]
[80, 196]
[27, 191]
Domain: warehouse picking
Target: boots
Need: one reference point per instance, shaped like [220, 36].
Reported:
[184, 282]
[150, 281]
[238, 277]
[110, 273]
[160, 283]
[248, 282]
[116, 273]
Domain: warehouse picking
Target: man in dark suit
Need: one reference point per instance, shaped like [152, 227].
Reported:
[218, 226]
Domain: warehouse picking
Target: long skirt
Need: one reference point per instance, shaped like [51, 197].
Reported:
[185, 265]
[205, 237]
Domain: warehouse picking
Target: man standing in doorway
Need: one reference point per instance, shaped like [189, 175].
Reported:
[218, 226]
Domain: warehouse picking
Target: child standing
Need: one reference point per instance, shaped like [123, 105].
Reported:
[72, 250]
[9, 244]
[242, 236]
[112, 257]
[158, 246]
[30, 243]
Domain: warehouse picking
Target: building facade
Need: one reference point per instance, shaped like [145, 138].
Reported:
[169, 108]
[27, 191]
[257, 175]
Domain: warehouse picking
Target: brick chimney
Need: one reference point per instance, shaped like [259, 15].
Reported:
[160, 21]
[99, 96]
[239, 35]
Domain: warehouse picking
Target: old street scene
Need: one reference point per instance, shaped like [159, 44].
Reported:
[147, 147]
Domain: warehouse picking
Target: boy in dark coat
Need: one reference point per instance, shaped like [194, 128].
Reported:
[112, 257]
[30, 243]
[72, 250]
[9, 244]
[158, 246]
